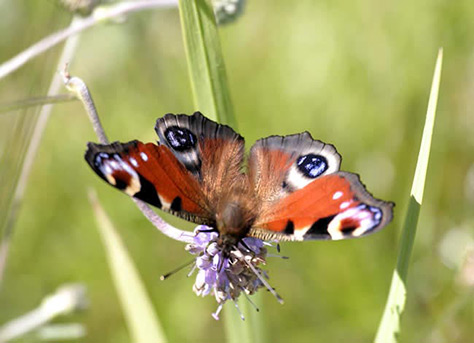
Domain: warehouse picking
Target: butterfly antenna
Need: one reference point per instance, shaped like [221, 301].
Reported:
[250, 300]
[240, 256]
[174, 271]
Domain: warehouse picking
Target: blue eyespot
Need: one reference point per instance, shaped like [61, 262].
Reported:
[180, 139]
[312, 165]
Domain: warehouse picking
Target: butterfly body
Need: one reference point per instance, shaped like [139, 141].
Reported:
[290, 190]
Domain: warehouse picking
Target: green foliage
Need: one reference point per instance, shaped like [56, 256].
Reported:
[205, 62]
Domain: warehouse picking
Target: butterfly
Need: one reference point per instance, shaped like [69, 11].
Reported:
[290, 190]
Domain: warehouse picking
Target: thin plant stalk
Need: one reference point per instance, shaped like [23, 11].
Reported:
[78, 87]
[67, 298]
[138, 310]
[389, 327]
[99, 15]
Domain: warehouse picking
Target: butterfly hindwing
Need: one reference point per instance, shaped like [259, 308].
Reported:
[305, 196]
[276, 164]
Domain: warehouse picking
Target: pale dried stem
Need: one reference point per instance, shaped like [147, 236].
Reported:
[100, 14]
[80, 89]
[67, 299]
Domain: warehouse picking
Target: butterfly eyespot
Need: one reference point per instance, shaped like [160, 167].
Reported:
[312, 165]
[180, 139]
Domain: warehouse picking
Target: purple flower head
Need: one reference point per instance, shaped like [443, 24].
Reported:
[227, 274]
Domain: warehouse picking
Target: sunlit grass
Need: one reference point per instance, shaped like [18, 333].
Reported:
[212, 97]
[205, 61]
[389, 328]
[142, 321]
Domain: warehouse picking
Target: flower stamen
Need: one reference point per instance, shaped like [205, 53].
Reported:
[239, 255]
[228, 271]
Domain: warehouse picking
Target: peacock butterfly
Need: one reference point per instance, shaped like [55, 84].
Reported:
[292, 189]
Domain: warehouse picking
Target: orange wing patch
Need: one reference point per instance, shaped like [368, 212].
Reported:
[335, 206]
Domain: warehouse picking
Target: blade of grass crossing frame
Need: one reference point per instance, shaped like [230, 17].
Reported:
[211, 97]
[389, 327]
[141, 319]
[205, 62]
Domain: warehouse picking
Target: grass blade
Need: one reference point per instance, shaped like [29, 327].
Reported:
[205, 62]
[141, 319]
[211, 96]
[389, 326]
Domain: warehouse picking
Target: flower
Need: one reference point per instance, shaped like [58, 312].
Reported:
[227, 274]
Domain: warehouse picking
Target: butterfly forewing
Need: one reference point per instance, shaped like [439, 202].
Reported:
[151, 173]
[195, 162]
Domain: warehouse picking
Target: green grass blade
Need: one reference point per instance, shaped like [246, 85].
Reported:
[211, 96]
[205, 62]
[389, 327]
[141, 319]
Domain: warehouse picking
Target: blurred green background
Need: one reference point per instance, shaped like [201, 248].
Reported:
[354, 74]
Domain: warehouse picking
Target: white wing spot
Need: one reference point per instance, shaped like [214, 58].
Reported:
[144, 156]
[106, 169]
[337, 195]
[134, 162]
[344, 205]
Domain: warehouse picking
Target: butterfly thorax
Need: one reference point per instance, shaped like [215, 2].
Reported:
[234, 220]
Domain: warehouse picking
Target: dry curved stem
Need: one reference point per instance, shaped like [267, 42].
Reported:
[80, 90]
[100, 14]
